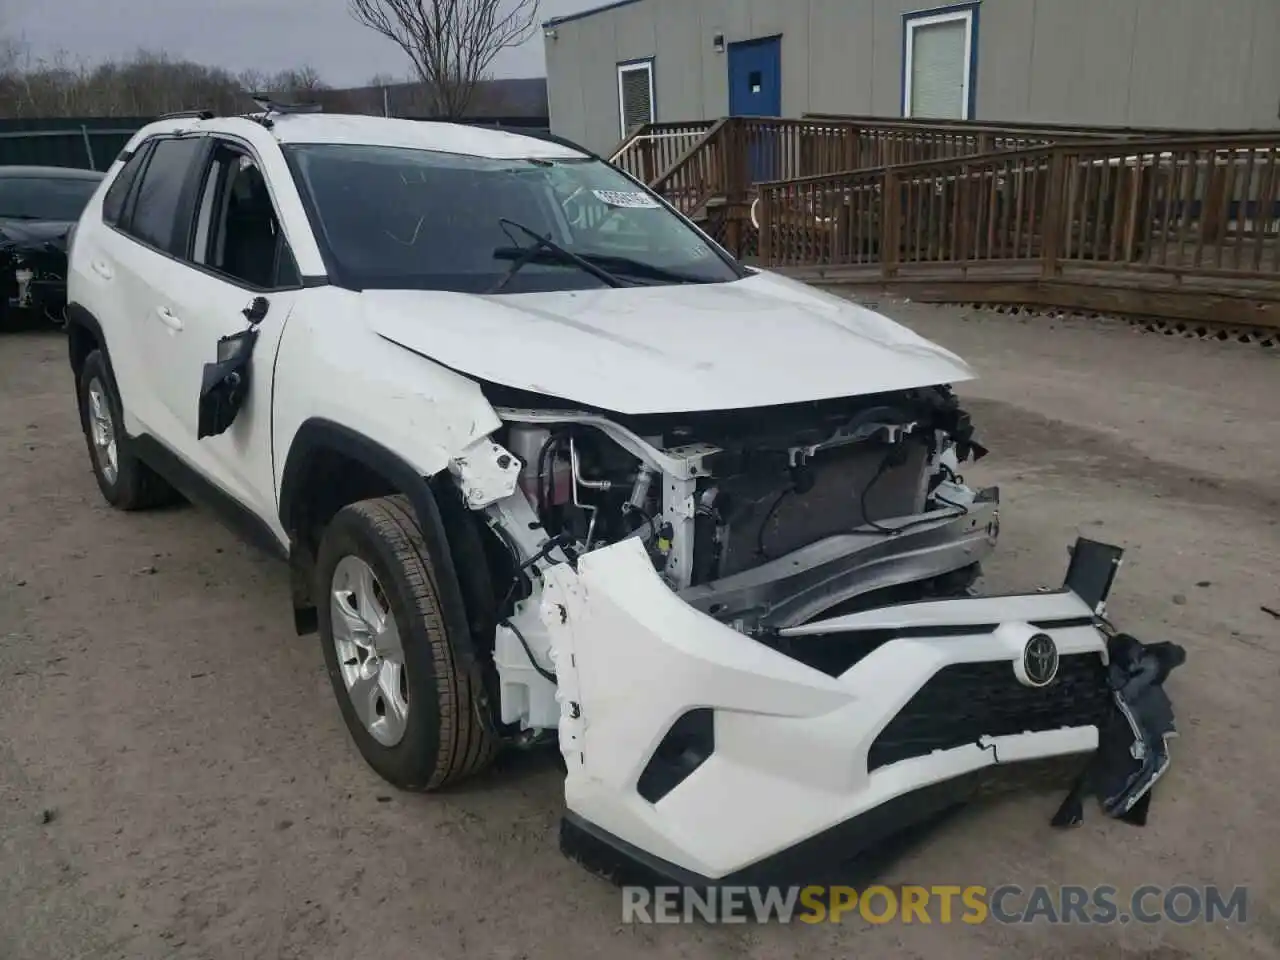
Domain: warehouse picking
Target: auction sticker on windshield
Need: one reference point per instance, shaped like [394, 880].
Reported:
[633, 200]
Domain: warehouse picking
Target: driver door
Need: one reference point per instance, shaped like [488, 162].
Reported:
[241, 275]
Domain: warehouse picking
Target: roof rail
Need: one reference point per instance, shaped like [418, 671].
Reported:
[532, 132]
[268, 105]
[548, 137]
[188, 114]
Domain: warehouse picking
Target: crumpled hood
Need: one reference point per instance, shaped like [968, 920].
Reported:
[34, 234]
[760, 341]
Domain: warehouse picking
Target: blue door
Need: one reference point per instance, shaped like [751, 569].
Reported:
[755, 78]
[755, 90]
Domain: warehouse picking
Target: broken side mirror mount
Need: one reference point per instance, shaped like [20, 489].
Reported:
[224, 386]
[256, 310]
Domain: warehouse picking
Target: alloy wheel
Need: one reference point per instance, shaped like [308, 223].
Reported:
[367, 641]
[102, 431]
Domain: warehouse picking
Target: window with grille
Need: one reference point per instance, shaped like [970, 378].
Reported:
[635, 96]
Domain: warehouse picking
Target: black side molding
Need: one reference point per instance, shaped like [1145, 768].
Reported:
[240, 519]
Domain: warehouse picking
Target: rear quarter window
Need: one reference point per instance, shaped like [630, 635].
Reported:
[113, 204]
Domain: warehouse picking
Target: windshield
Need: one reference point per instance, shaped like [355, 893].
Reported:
[45, 198]
[403, 218]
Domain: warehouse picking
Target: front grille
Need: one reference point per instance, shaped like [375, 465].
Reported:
[967, 701]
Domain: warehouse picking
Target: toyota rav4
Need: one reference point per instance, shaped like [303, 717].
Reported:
[548, 465]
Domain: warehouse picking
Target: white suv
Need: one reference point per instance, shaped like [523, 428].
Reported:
[548, 464]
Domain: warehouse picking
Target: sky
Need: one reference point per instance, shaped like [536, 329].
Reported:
[238, 34]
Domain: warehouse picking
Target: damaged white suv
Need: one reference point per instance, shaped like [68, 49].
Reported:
[548, 464]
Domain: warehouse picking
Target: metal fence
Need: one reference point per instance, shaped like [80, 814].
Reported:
[89, 143]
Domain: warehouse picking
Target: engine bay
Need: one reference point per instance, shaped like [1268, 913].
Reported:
[715, 495]
[762, 519]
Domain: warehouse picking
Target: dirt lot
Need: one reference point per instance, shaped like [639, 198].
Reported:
[203, 800]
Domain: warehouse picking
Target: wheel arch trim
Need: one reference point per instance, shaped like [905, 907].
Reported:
[78, 315]
[318, 435]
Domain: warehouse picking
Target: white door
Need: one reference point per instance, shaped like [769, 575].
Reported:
[938, 57]
[238, 256]
[106, 277]
[151, 236]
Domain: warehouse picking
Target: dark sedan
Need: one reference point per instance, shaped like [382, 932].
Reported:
[39, 206]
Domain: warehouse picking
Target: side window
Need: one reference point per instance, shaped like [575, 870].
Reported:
[237, 231]
[113, 204]
[157, 209]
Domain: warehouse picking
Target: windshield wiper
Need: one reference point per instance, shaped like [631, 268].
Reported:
[628, 266]
[545, 245]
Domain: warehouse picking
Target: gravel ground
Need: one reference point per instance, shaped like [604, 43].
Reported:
[175, 780]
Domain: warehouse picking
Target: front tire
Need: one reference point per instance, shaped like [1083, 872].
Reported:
[416, 713]
[125, 481]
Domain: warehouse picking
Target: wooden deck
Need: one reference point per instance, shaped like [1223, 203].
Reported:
[1190, 228]
[1130, 221]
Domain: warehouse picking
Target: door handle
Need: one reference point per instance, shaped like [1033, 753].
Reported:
[102, 269]
[168, 318]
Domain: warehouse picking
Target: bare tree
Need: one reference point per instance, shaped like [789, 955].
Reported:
[303, 83]
[148, 84]
[451, 43]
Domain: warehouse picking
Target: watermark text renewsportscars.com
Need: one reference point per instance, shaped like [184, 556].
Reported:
[938, 904]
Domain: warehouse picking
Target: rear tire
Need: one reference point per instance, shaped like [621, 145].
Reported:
[417, 714]
[125, 481]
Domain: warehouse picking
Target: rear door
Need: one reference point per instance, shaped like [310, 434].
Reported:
[97, 279]
[144, 258]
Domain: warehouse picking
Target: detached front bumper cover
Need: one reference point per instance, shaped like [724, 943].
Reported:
[698, 757]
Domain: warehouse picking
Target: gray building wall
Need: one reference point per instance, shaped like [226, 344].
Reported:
[1167, 63]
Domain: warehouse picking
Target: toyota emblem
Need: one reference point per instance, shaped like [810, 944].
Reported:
[1040, 660]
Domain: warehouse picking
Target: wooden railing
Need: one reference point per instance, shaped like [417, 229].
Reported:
[654, 148]
[1050, 132]
[1184, 207]
[772, 148]
[722, 163]
[710, 170]
[1185, 226]
[780, 149]
[702, 172]
[1190, 209]
[748, 151]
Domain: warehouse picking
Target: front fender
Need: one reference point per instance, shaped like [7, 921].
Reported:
[332, 367]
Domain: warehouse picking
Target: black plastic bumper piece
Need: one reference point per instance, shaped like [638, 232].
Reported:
[852, 852]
